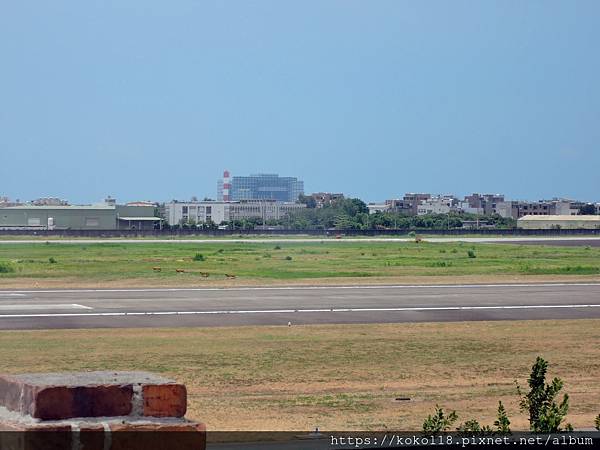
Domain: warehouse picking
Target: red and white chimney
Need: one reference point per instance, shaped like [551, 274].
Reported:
[226, 186]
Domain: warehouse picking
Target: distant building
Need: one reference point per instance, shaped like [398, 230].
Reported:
[437, 205]
[70, 217]
[326, 198]
[568, 222]
[259, 187]
[219, 212]
[485, 204]
[378, 207]
[49, 201]
[414, 200]
[518, 209]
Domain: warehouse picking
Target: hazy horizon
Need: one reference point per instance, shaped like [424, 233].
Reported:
[147, 100]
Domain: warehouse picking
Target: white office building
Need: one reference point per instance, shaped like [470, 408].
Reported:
[218, 212]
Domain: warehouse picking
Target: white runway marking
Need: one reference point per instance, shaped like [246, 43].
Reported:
[288, 311]
[29, 306]
[309, 288]
[11, 294]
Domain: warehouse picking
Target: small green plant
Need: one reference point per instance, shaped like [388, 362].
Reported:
[442, 250]
[471, 254]
[502, 423]
[51, 260]
[453, 251]
[220, 250]
[439, 421]
[472, 426]
[545, 414]
[199, 257]
[6, 267]
[277, 247]
[288, 258]
[441, 264]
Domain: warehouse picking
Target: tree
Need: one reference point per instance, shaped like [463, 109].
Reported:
[587, 210]
[502, 423]
[545, 414]
[439, 421]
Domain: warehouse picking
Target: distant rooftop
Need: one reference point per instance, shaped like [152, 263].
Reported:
[590, 218]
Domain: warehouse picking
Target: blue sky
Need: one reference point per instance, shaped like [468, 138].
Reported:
[148, 99]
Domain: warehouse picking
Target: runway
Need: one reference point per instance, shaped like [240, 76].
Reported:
[123, 308]
[529, 240]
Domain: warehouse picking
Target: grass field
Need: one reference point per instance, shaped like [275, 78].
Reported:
[334, 376]
[132, 264]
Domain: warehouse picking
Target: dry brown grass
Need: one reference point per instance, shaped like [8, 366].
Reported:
[75, 283]
[334, 376]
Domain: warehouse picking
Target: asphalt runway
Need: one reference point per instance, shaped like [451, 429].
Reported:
[529, 240]
[124, 308]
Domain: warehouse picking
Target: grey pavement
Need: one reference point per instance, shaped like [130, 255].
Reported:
[119, 308]
[550, 240]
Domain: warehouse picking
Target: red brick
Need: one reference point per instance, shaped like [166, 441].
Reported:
[62, 402]
[165, 400]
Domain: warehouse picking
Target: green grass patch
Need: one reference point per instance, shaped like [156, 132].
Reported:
[264, 261]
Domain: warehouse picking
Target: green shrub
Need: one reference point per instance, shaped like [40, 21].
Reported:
[471, 254]
[288, 258]
[453, 251]
[277, 247]
[51, 260]
[198, 257]
[441, 264]
[439, 421]
[6, 267]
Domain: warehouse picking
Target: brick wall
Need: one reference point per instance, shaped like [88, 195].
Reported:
[96, 410]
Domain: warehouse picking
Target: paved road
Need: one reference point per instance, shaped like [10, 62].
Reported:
[117, 308]
[552, 240]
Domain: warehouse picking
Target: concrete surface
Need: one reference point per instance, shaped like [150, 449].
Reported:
[120, 308]
[569, 240]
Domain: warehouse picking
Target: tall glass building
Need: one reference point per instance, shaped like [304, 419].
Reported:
[262, 187]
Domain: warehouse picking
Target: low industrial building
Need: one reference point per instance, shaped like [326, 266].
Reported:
[556, 222]
[104, 216]
[177, 213]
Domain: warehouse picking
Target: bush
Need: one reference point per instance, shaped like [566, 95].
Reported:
[454, 251]
[546, 414]
[439, 421]
[471, 254]
[288, 258]
[51, 260]
[6, 267]
[441, 264]
[277, 247]
[198, 257]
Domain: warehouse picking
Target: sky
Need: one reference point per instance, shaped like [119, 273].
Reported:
[149, 99]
